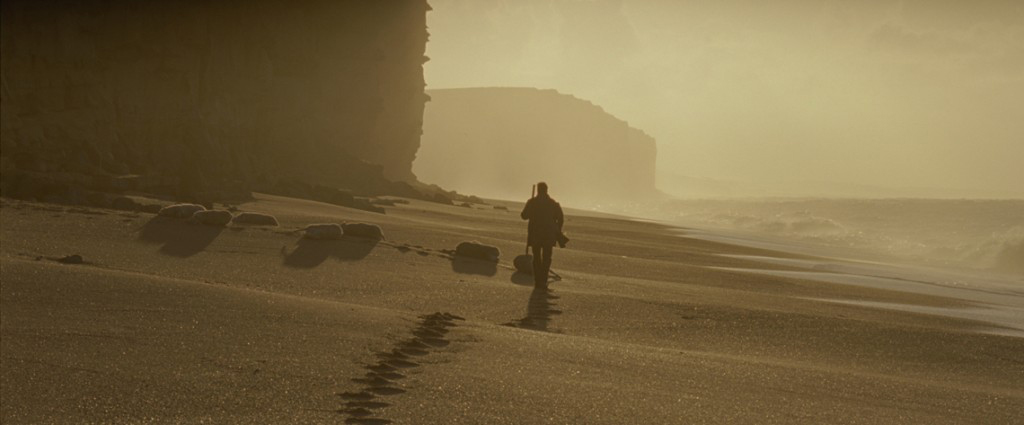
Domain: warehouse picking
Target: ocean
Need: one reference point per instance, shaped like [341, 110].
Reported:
[971, 250]
[981, 236]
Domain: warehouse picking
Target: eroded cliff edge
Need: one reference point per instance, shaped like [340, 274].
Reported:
[497, 142]
[196, 96]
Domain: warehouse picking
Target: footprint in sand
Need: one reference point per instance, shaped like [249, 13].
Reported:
[380, 381]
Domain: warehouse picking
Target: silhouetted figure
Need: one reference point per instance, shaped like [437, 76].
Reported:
[545, 228]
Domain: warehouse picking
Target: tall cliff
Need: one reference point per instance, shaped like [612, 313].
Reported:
[205, 93]
[497, 142]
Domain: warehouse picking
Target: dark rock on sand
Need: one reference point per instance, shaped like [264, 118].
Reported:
[325, 231]
[478, 251]
[211, 217]
[180, 210]
[255, 219]
[363, 230]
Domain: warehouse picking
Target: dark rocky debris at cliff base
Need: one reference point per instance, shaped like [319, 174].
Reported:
[130, 111]
[104, 191]
[340, 197]
[365, 198]
[99, 191]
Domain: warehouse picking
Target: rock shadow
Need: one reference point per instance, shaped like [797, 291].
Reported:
[179, 238]
[522, 279]
[539, 310]
[473, 266]
[526, 279]
[309, 253]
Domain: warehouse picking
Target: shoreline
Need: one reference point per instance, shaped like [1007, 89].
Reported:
[997, 300]
[984, 244]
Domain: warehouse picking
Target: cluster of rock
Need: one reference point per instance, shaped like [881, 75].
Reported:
[336, 196]
[198, 214]
[333, 231]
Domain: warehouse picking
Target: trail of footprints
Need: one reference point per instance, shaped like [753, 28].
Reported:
[420, 250]
[381, 378]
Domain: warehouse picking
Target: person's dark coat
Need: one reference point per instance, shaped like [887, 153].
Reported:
[546, 220]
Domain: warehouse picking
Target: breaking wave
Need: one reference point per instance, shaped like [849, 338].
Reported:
[976, 234]
[1004, 252]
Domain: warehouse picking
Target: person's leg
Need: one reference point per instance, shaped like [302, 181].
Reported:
[547, 259]
[540, 276]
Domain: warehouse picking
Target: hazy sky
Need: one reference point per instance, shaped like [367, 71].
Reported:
[911, 93]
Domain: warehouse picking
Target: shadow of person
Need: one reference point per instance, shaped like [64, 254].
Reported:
[473, 266]
[179, 238]
[526, 279]
[539, 310]
[310, 253]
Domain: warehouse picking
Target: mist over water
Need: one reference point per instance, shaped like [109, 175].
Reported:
[980, 235]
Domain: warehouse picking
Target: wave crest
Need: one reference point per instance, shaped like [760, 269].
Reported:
[1005, 252]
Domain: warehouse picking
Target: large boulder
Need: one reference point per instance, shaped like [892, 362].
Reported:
[180, 210]
[328, 231]
[211, 217]
[478, 251]
[255, 219]
[363, 230]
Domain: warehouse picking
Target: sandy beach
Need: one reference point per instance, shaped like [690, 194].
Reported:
[170, 322]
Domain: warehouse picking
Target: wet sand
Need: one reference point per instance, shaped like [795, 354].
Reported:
[171, 322]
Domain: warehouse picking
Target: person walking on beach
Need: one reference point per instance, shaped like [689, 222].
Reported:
[544, 230]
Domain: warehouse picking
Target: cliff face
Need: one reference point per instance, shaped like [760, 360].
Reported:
[498, 142]
[198, 93]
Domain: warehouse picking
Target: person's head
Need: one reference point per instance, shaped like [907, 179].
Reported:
[542, 188]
